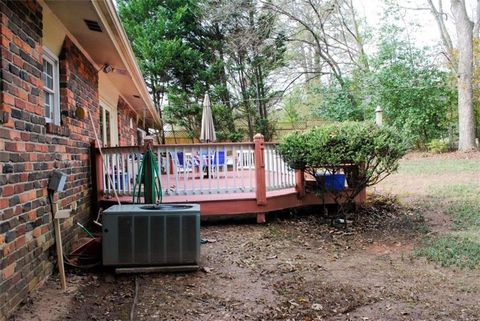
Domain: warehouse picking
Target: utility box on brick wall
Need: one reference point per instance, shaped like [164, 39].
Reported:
[57, 181]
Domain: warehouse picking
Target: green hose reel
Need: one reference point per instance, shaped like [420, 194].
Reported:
[149, 177]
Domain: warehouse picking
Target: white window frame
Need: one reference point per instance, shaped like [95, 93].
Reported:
[105, 108]
[52, 59]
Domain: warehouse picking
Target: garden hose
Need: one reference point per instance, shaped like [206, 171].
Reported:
[149, 176]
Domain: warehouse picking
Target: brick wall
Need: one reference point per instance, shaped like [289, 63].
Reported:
[30, 149]
[125, 132]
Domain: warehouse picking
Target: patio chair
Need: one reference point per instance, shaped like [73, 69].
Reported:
[181, 163]
[219, 162]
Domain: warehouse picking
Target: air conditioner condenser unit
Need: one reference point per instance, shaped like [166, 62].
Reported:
[143, 235]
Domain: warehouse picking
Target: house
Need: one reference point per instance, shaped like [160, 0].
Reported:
[65, 65]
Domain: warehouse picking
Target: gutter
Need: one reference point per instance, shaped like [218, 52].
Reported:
[108, 15]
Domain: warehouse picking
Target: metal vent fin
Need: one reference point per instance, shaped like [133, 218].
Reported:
[93, 25]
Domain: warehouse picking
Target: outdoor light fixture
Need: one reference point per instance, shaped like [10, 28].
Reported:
[107, 68]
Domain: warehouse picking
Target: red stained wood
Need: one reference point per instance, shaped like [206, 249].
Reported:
[261, 188]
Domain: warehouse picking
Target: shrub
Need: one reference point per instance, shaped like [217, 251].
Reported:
[438, 146]
[374, 151]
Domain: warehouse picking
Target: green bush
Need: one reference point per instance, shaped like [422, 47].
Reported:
[438, 146]
[374, 150]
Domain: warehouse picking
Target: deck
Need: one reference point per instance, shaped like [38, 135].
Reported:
[225, 179]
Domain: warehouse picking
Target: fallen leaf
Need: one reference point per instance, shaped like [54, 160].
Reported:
[317, 307]
[207, 269]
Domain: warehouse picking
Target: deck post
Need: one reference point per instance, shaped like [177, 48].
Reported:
[97, 175]
[147, 142]
[300, 183]
[261, 186]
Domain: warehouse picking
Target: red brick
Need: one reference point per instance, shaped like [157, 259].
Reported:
[19, 242]
[15, 147]
[20, 103]
[7, 190]
[18, 41]
[19, 189]
[5, 42]
[6, 32]
[9, 123]
[15, 135]
[3, 203]
[2, 239]
[32, 216]
[5, 108]
[25, 136]
[23, 95]
[17, 61]
[8, 99]
[28, 196]
[9, 248]
[8, 271]
[37, 232]
[29, 147]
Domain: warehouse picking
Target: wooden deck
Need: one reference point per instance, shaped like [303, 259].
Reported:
[264, 186]
[242, 204]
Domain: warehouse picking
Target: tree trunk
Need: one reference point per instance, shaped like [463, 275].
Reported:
[466, 116]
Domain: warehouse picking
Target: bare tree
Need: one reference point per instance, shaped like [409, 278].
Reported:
[463, 65]
[466, 116]
[328, 36]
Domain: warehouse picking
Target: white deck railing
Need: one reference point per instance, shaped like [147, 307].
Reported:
[197, 169]
[277, 173]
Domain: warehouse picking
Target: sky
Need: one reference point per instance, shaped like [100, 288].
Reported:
[427, 32]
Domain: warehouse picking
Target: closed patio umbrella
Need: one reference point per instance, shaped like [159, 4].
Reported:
[207, 133]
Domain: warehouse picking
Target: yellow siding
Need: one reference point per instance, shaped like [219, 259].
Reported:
[53, 32]
[109, 100]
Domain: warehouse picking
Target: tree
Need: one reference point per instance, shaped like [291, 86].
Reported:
[466, 116]
[156, 29]
[252, 49]
[463, 67]
[331, 37]
[174, 53]
[415, 94]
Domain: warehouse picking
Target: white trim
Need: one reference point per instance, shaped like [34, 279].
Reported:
[126, 55]
[113, 121]
[104, 107]
[69, 35]
[109, 17]
[51, 58]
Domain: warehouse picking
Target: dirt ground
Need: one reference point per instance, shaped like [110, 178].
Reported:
[295, 267]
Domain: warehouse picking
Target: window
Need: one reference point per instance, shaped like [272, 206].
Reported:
[51, 87]
[105, 131]
[108, 139]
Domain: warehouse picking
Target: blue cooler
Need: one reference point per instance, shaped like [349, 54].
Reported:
[333, 182]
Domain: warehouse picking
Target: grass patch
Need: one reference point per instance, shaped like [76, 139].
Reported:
[438, 166]
[462, 202]
[460, 249]
[465, 214]
[464, 191]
